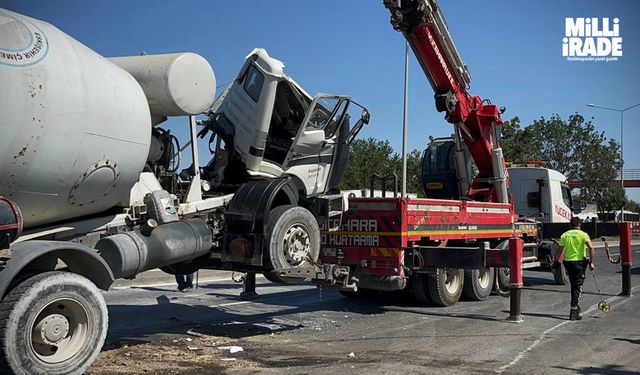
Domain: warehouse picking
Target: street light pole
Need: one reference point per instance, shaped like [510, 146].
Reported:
[405, 120]
[621, 111]
[622, 157]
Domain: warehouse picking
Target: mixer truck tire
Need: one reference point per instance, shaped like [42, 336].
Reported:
[445, 286]
[478, 283]
[52, 323]
[293, 240]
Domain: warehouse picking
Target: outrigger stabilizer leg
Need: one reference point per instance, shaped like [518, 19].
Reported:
[249, 286]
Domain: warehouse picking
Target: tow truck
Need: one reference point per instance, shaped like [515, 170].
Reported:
[454, 241]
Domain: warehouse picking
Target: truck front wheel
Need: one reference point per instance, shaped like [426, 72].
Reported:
[52, 323]
[293, 238]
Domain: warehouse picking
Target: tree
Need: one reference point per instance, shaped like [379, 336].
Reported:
[373, 156]
[632, 206]
[599, 173]
[574, 148]
[519, 145]
[414, 171]
[609, 198]
[366, 157]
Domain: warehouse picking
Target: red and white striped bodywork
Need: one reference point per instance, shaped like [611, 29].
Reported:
[374, 231]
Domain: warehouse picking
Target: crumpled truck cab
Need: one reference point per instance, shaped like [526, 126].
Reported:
[271, 127]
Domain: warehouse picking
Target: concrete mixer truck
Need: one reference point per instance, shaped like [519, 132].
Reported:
[91, 187]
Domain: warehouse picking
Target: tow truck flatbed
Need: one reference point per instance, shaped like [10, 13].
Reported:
[375, 234]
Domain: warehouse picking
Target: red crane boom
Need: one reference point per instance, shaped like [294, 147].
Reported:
[476, 121]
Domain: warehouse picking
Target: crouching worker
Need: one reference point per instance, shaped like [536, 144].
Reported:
[572, 246]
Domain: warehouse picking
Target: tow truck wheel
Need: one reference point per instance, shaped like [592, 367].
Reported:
[419, 288]
[560, 275]
[478, 283]
[503, 278]
[502, 273]
[52, 323]
[445, 286]
[293, 237]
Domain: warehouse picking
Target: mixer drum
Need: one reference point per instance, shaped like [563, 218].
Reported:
[75, 128]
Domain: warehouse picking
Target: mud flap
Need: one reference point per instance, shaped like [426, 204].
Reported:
[246, 217]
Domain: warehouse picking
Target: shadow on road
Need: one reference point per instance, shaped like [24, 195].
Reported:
[608, 370]
[164, 289]
[133, 324]
[632, 341]
[568, 291]
[234, 317]
[449, 314]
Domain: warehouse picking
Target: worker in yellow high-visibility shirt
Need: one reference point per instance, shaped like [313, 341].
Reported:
[573, 244]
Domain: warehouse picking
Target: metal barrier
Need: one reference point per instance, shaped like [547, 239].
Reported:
[626, 259]
[516, 246]
[630, 174]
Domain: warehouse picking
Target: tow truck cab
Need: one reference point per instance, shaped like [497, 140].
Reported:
[536, 192]
[542, 193]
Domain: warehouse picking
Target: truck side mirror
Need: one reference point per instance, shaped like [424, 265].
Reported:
[364, 119]
[365, 116]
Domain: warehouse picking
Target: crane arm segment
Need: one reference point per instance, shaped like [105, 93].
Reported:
[475, 120]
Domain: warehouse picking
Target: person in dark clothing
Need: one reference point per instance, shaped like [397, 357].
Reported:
[572, 246]
[185, 282]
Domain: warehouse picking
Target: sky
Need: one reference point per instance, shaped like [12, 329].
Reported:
[513, 50]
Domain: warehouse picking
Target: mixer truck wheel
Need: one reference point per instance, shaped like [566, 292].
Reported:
[52, 323]
[445, 286]
[478, 283]
[293, 237]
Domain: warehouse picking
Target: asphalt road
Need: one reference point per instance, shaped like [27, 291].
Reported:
[303, 329]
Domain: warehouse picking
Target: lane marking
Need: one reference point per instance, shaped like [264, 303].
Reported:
[521, 355]
[231, 303]
[537, 342]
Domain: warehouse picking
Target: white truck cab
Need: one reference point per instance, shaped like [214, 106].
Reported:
[540, 192]
[271, 127]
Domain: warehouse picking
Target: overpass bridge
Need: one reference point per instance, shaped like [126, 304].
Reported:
[631, 179]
